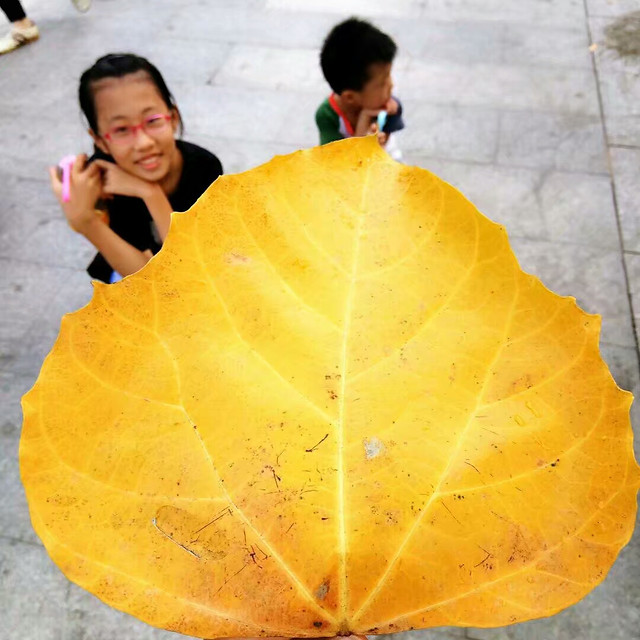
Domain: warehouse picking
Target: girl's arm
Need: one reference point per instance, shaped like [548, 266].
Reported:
[121, 256]
[159, 207]
[118, 182]
[86, 187]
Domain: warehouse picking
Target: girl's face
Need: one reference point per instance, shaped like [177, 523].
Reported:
[123, 102]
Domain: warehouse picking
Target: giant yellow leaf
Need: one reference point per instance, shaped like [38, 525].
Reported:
[332, 403]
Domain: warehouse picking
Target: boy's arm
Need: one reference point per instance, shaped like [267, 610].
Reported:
[328, 124]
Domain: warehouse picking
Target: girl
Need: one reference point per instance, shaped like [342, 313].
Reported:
[139, 167]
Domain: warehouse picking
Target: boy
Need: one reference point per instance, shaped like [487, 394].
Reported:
[356, 60]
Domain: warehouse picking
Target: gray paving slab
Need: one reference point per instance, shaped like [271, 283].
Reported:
[441, 40]
[73, 292]
[623, 364]
[555, 141]
[33, 220]
[299, 127]
[592, 275]
[239, 112]
[626, 170]
[538, 12]
[619, 79]
[271, 68]
[59, 133]
[611, 8]
[451, 132]
[365, 8]
[439, 633]
[240, 155]
[26, 291]
[90, 619]
[506, 195]
[579, 208]
[492, 42]
[633, 267]
[15, 522]
[500, 86]
[23, 210]
[14, 166]
[38, 611]
[238, 23]
[530, 44]
[539, 204]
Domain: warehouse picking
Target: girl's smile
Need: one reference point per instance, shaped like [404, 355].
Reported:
[151, 152]
[150, 163]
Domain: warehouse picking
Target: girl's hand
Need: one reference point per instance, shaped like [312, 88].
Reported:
[85, 188]
[116, 181]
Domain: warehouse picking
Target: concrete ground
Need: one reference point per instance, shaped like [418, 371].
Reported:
[506, 100]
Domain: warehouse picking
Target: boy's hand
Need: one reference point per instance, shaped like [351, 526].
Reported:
[381, 135]
[116, 181]
[85, 186]
[366, 122]
[391, 107]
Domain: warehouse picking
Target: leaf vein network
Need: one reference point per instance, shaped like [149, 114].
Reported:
[577, 442]
[111, 569]
[90, 478]
[426, 237]
[283, 198]
[486, 585]
[321, 412]
[278, 274]
[428, 321]
[373, 593]
[294, 578]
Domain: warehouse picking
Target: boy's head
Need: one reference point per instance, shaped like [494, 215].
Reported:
[356, 61]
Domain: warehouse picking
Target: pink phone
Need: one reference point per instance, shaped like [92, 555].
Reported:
[65, 168]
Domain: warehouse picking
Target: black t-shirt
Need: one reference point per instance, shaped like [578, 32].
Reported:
[130, 218]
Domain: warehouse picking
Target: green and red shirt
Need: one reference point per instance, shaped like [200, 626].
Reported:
[333, 124]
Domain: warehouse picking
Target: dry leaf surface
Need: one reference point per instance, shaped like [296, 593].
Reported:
[332, 403]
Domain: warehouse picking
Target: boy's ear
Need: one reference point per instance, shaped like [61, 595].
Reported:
[98, 141]
[350, 97]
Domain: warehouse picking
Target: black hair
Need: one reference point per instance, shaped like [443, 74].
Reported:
[117, 65]
[349, 51]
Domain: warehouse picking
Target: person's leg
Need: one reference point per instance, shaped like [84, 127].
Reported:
[23, 30]
[13, 9]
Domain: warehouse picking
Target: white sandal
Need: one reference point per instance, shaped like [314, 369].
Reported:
[17, 37]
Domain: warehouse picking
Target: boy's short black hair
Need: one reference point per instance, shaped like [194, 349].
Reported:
[350, 49]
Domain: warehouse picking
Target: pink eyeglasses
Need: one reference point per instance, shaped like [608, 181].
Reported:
[127, 134]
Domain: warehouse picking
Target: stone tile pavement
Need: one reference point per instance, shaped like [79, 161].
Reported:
[505, 100]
